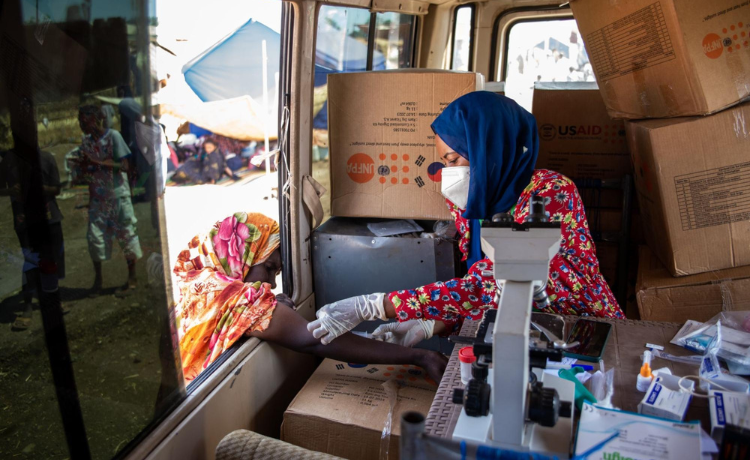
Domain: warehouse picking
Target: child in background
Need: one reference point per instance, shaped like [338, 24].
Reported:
[103, 163]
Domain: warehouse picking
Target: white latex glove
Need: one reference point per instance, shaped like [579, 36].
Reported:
[407, 334]
[341, 317]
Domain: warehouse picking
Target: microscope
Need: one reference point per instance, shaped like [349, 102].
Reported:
[510, 402]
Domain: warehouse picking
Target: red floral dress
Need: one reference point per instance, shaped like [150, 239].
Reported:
[575, 285]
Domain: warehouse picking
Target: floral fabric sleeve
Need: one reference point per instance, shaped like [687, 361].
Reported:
[575, 285]
[449, 301]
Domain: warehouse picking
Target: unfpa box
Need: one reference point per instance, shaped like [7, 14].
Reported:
[668, 58]
[383, 157]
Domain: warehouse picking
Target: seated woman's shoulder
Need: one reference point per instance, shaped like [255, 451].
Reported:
[543, 176]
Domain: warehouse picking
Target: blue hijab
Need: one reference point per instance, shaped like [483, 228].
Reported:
[500, 140]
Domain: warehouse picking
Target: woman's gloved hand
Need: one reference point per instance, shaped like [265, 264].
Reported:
[341, 317]
[407, 333]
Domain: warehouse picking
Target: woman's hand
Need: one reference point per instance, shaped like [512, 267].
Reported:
[407, 333]
[341, 317]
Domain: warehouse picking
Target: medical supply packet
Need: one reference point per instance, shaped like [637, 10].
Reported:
[728, 408]
[664, 398]
[726, 334]
[636, 436]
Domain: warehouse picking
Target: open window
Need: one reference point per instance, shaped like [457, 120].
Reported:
[352, 40]
[545, 49]
[462, 38]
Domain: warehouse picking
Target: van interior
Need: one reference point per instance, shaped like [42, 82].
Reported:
[89, 377]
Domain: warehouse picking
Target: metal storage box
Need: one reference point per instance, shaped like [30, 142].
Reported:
[348, 260]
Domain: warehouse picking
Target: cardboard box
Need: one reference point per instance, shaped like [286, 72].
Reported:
[383, 158]
[692, 187]
[343, 408]
[581, 141]
[667, 58]
[662, 297]
[610, 221]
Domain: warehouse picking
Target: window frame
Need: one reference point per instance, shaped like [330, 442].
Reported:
[413, 51]
[371, 38]
[284, 169]
[472, 34]
[506, 20]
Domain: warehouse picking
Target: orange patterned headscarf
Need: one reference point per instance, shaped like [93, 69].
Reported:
[232, 246]
[216, 306]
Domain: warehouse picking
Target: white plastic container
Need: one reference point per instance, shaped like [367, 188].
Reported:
[466, 358]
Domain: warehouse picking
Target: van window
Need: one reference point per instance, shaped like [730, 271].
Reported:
[546, 50]
[86, 358]
[394, 39]
[351, 40]
[463, 45]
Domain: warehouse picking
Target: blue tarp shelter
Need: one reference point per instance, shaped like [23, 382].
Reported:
[233, 67]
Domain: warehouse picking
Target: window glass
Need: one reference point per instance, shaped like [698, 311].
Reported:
[549, 50]
[462, 38]
[86, 357]
[342, 46]
[394, 39]
[219, 146]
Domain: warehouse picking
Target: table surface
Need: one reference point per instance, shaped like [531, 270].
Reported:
[623, 352]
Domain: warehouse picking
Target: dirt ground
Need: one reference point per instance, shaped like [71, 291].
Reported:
[113, 343]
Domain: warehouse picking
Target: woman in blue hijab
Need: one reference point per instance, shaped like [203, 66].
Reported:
[489, 145]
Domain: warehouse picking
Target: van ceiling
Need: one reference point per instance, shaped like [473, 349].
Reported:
[505, 3]
[413, 6]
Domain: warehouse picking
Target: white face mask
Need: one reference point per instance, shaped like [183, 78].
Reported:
[455, 185]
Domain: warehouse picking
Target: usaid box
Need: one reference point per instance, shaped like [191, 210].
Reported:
[667, 58]
[577, 138]
[382, 150]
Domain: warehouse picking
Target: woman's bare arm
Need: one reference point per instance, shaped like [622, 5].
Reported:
[289, 330]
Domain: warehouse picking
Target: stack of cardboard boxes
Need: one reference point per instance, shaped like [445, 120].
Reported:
[678, 71]
[579, 139]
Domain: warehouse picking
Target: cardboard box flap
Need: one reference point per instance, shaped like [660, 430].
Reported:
[652, 274]
[565, 85]
[495, 86]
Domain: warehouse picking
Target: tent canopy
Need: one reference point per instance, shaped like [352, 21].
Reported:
[233, 67]
[239, 118]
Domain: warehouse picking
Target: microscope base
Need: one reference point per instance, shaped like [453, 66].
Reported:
[553, 441]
